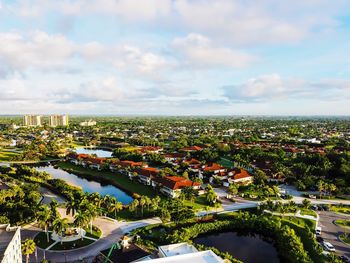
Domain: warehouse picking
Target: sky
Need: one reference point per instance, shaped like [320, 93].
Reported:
[175, 57]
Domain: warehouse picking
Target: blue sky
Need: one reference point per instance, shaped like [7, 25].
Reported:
[175, 57]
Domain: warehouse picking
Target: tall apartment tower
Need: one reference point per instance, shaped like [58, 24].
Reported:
[58, 120]
[32, 120]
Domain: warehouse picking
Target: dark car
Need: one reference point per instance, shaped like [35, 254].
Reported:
[344, 258]
[319, 239]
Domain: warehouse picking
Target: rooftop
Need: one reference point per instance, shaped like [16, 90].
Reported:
[207, 256]
[177, 249]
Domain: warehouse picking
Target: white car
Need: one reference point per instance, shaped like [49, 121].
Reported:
[328, 246]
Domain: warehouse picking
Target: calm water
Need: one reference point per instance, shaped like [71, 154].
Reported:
[87, 186]
[98, 152]
[247, 248]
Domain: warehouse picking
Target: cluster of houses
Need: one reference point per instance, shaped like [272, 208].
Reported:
[169, 185]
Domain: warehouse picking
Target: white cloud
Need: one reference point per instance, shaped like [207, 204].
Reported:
[37, 50]
[235, 21]
[198, 50]
[273, 87]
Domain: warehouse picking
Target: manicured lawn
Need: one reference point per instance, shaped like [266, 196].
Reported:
[226, 163]
[343, 223]
[41, 240]
[199, 203]
[6, 156]
[72, 245]
[341, 209]
[96, 232]
[345, 238]
[308, 212]
[119, 180]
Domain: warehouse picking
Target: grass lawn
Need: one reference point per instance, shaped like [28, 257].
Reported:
[96, 232]
[343, 223]
[308, 212]
[72, 245]
[345, 238]
[302, 222]
[6, 156]
[226, 163]
[341, 209]
[41, 240]
[117, 179]
[199, 203]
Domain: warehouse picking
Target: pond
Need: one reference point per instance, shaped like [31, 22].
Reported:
[247, 248]
[87, 186]
[99, 152]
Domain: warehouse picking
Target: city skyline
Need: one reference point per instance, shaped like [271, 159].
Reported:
[175, 57]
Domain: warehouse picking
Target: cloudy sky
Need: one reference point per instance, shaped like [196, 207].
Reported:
[176, 57]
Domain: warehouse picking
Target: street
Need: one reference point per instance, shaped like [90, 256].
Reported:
[330, 231]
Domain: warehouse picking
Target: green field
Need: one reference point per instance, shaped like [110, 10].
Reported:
[226, 163]
[343, 223]
[120, 180]
[345, 238]
[341, 209]
[6, 156]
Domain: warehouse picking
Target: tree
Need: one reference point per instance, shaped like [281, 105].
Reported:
[80, 220]
[43, 218]
[71, 206]
[320, 187]
[233, 189]
[211, 197]
[260, 177]
[142, 202]
[59, 226]
[306, 203]
[115, 207]
[28, 247]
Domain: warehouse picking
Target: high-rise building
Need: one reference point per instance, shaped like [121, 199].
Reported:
[58, 120]
[32, 120]
[10, 244]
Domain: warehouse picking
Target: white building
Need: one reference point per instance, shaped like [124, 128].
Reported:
[58, 120]
[10, 244]
[32, 120]
[184, 253]
[88, 123]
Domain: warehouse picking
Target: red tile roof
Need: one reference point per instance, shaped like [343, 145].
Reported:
[213, 167]
[191, 149]
[176, 182]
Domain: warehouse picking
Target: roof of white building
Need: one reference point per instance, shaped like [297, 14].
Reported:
[207, 256]
[177, 249]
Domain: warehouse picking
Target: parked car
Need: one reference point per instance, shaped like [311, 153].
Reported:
[319, 239]
[328, 246]
[318, 230]
[344, 259]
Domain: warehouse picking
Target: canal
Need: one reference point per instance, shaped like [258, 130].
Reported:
[86, 185]
[248, 248]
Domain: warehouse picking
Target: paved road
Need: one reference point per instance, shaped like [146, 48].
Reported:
[112, 231]
[330, 231]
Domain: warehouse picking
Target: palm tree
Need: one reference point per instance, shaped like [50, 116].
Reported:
[80, 220]
[43, 218]
[115, 207]
[91, 213]
[320, 186]
[71, 206]
[59, 226]
[28, 247]
[142, 202]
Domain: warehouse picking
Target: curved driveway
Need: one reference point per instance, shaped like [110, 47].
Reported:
[112, 231]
